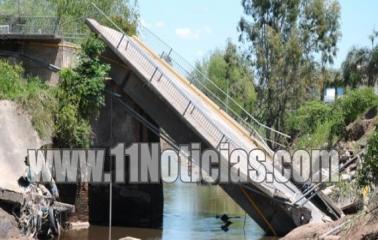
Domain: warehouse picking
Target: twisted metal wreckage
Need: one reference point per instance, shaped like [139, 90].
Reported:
[35, 208]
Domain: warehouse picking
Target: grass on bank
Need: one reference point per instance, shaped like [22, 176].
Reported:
[31, 93]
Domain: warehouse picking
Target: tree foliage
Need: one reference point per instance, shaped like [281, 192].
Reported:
[361, 65]
[230, 72]
[121, 11]
[307, 117]
[12, 83]
[288, 42]
[316, 123]
[81, 96]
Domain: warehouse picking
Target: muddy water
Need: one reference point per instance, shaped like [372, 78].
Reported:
[190, 212]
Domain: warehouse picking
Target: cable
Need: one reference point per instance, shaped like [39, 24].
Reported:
[147, 123]
[111, 169]
[245, 218]
[258, 211]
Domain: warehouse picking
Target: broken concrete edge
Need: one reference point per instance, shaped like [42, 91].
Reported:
[11, 197]
[18, 199]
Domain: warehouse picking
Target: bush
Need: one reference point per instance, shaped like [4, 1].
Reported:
[368, 173]
[81, 96]
[70, 129]
[318, 138]
[306, 119]
[316, 123]
[12, 84]
[350, 106]
[84, 85]
[354, 103]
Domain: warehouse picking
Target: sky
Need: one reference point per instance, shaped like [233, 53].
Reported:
[195, 28]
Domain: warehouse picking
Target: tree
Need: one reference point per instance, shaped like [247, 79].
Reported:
[354, 67]
[288, 42]
[229, 74]
[70, 12]
[361, 65]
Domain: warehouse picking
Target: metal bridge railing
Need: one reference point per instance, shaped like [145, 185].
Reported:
[72, 31]
[33, 25]
[30, 25]
[207, 86]
[168, 88]
[182, 103]
[255, 128]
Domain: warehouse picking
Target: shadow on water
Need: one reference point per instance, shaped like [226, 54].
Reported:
[190, 212]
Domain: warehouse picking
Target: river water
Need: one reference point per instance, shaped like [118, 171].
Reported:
[190, 212]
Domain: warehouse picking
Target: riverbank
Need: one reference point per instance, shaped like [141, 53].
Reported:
[360, 226]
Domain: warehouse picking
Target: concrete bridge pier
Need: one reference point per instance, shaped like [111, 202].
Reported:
[134, 205]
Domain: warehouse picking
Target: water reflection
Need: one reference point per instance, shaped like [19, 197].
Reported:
[190, 212]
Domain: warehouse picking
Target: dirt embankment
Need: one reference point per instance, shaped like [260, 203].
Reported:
[17, 135]
[360, 226]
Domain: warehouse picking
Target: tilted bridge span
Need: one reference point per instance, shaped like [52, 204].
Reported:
[188, 113]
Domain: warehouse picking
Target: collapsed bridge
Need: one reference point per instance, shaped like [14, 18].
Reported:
[158, 80]
[187, 114]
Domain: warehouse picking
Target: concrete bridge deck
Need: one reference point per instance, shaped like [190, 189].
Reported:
[187, 115]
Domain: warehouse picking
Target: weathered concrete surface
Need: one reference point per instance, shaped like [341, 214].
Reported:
[17, 135]
[8, 227]
[37, 54]
[134, 205]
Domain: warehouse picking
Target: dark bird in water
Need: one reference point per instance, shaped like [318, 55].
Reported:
[226, 220]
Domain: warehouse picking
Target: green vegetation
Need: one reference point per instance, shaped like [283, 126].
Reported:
[308, 117]
[321, 137]
[40, 101]
[31, 93]
[72, 14]
[84, 84]
[368, 173]
[69, 16]
[63, 112]
[361, 65]
[12, 84]
[80, 96]
[230, 72]
[290, 43]
[316, 124]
